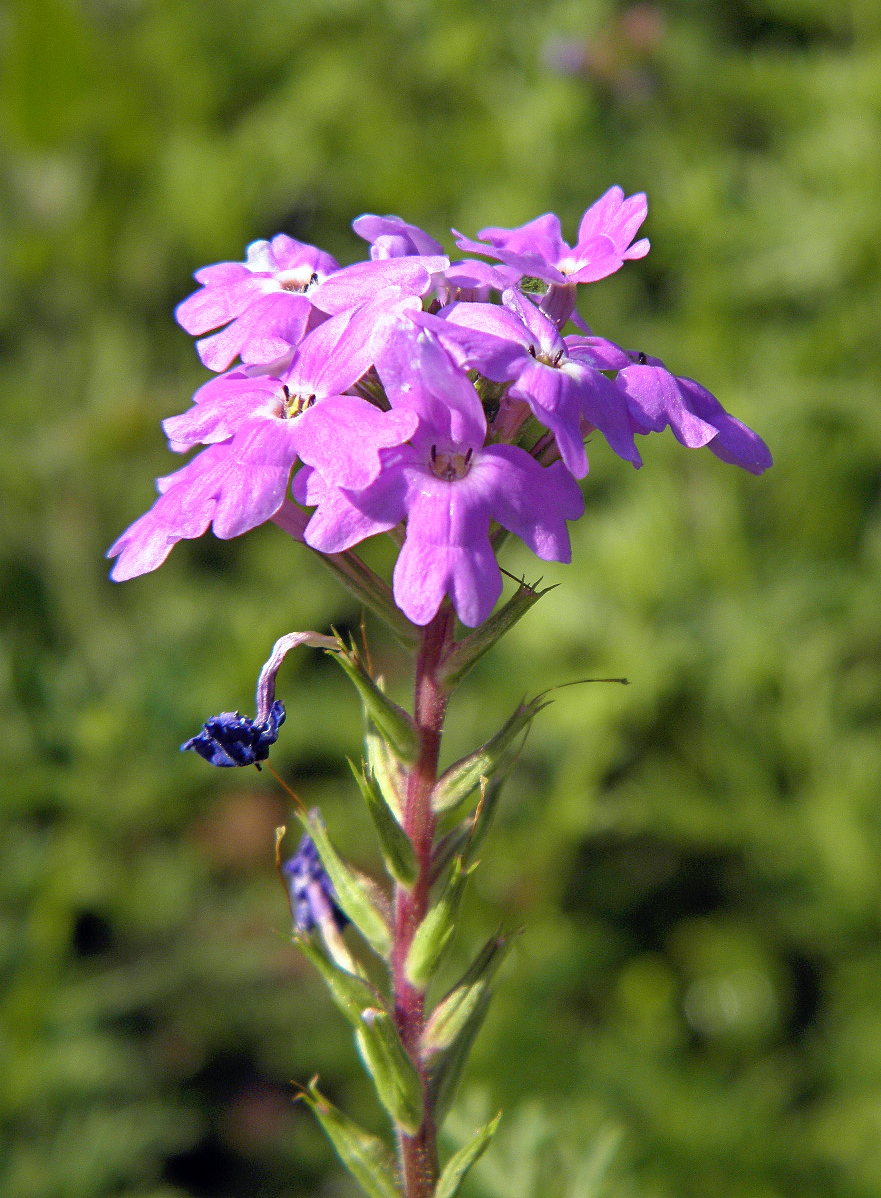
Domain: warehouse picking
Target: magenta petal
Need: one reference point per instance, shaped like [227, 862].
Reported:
[255, 481]
[342, 520]
[395, 235]
[213, 306]
[654, 400]
[600, 404]
[447, 551]
[542, 235]
[342, 437]
[418, 374]
[358, 284]
[597, 352]
[222, 274]
[494, 354]
[734, 443]
[532, 501]
[269, 328]
[221, 407]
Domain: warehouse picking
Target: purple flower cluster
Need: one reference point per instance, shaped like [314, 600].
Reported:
[440, 397]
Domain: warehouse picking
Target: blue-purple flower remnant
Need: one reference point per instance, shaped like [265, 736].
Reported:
[231, 739]
[443, 403]
[313, 898]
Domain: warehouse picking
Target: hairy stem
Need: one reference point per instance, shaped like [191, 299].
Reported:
[419, 1164]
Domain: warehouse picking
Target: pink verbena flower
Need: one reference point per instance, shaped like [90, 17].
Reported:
[604, 242]
[448, 485]
[558, 377]
[256, 428]
[264, 302]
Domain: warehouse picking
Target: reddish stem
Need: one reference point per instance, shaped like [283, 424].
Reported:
[419, 1164]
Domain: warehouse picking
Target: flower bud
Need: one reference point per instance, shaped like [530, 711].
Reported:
[397, 851]
[396, 1078]
[466, 775]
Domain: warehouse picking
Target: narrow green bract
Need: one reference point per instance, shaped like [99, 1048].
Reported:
[397, 851]
[434, 934]
[363, 1154]
[459, 1164]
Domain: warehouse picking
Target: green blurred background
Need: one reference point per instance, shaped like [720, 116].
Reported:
[695, 858]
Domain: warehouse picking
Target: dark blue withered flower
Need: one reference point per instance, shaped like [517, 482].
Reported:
[313, 898]
[231, 739]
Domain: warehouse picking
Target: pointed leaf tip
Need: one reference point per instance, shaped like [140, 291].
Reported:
[366, 1157]
[458, 1165]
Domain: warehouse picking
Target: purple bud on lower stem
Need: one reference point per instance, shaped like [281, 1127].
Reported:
[313, 898]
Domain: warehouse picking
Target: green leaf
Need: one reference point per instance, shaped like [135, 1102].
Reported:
[459, 1164]
[396, 1078]
[451, 1015]
[390, 720]
[366, 1157]
[434, 934]
[352, 893]
[466, 775]
[397, 851]
[353, 995]
[471, 648]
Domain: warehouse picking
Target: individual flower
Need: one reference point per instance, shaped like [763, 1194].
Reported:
[230, 739]
[559, 378]
[256, 428]
[656, 398]
[311, 892]
[264, 302]
[605, 242]
[448, 485]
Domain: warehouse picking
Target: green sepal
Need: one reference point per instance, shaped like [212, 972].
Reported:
[471, 648]
[459, 1164]
[353, 995]
[366, 1157]
[385, 770]
[466, 838]
[352, 891]
[465, 775]
[396, 1078]
[391, 721]
[397, 851]
[451, 1016]
[446, 1067]
[434, 934]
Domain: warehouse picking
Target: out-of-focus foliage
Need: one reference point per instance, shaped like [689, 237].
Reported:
[697, 858]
